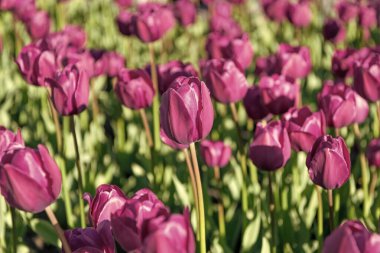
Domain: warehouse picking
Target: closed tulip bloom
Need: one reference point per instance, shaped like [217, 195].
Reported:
[347, 10]
[225, 26]
[107, 200]
[100, 62]
[215, 153]
[30, 179]
[81, 58]
[9, 141]
[134, 88]
[278, 93]
[186, 112]
[367, 17]
[225, 80]
[171, 235]
[299, 14]
[341, 105]
[221, 8]
[24, 10]
[253, 105]
[38, 25]
[329, 162]
[295, 62]
[334, 31]
[216, 45]
[185, 12]
[367, 77]
[275, 9]
[373, 153]
[91, 240]
[343, 61]
[115, 62]
[304, 127]
[350, 237]
[70, 90]
[76, 36]
[239, 50]
[270, 149]
[124, 23]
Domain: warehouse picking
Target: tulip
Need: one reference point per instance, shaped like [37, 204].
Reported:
[304, 127]
[225, 26]
[186, 112]
[107, 200]
[38, 25]
[275, 9]
[76, 36]
[270, 149]
[9, 141]
[239, 50]
[171, 235]
[216, 44]
[350, 237]
[295, 62]
[343, 61]
[373, 153]
[91, 240]
[329, 162]
[134, 88]
[30, 179]
[70, 90]
[367, 77]
[278, 93]
[266, 66]
[115, 62]
[299, 14]
[341, 105]
[367, 17]
[215, 153]
[252, 103]
[372, 244]
[124, 3]
[334, 31]
[24, 10]
[174, 145]
[221, 8]
[124, 23]
[100, 62]
[185, 12]
[225, 80]
[81, 58]
[347, 11]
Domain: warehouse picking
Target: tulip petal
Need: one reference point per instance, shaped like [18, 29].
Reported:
[345, 114]
[302, 141]
[266, 157]
[205, 118]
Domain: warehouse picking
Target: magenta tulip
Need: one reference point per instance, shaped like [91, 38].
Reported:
[221, 8]
[294, 62]
[267, 66]
[100, 62]
[9, 141]
[329, 162]
[347, 10]
[124, 3]
[124, 23]
[30, 179]
[38, 25]
[225, 80]
[171, 143]
[216, 45]
[239, 50]
[299, 14]
[186, 111]
[115, 62]
[343, 61]
[185, 12]
[372, 244]
[215, 153]
[76, 36]
[373, 153]
[367, 17]
[225, 26]
[253, 105]
[134, 88]
[334, 31]
[270, 149]
[275, 9]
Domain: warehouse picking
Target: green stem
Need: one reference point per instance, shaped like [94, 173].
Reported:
[373, 183]
[272, 210]
[331, 209]
[14, 229]
[156, 100]
[198, 180]
[364, 170]
[320, 218]
[120, 128]
[222, 226]
[80, 178]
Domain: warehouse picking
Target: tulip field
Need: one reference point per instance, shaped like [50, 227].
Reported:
[190, 126]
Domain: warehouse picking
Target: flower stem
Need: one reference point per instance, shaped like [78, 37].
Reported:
[14, 230]
[95, 103]
[222, 226]
[272, 210]
[79, 168]
[373, 183]
[58, 229]
[146, 127]
[198, 180]
[320, 218]
[331, 209]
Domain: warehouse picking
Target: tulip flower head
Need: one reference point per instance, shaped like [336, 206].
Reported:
[373, 153]
[215, 153]
[253, 105]
[9, 141]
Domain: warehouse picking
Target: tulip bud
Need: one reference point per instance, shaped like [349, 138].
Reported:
[367, 77]
[334, 31]
[304, 127]
[221, 8]
[239, 50]
[215, 153]
[225, 80]
[134, 88]
[38, 25]
[373, 153]
[100, 62]
[9, 141]
[107, 200]
[91, 240]
[225, 26]
[185, 12]
[216, 44]
[30, 179]
[278, 93]
[81, 58]
[294, 62]
[299, 14]
[124, 23]
[329, 162]
[70, 90]
[350, 237]
[115, 62]
[186, 112]
[253, 105]
[270, 149]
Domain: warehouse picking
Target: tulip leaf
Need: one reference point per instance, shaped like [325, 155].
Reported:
[251, 233]
[265, 248]
[181, 191]
[44, 229]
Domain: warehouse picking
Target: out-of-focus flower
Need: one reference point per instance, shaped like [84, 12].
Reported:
[124, 3]
[367, 17]
[9, 141]
[275, 9]
[334, 31]
[329, 162]
[215, 153]
[343, 61]
[215, 45]
[373, 153]
[253, 105]
[294, 62]
[239, 50]
[38, 25]
[30, 179]
[270, 149]
[100, 62]
[185, 12]
[115, 62]
[225, 26]
[299, 14]
[347, 10]
[221, 8]
[134, 88]
[266, 66]
[186, 111]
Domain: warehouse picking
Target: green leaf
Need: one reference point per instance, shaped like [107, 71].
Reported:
[251, 233]
[266, 247]
[181, 191]
[45, 230]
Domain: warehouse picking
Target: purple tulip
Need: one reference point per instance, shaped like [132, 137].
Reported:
[253, 105]
[115, 62]
[129, 224]
[367, 77]
[107, 200]
[9, 141]
[350, 237]
[30, 179]
[124, 23]
[267, 66]
[171, 143]
[185, 12]
[341, 105]
[225, 26]
[134, 88]
[299, 14]
[221, 8]
[343, 61]
[367, 17]
[91, 240]
[239, 50]
[372, 244]
[124, 3]
[347, 10]
[171, 235]
[225, 80]
[78, 57]
[304, 127]
[76, 36]
[215, 153]
[7, 5]
[334, 31]
[38, 25]
[216, 45]
[295, 62]
[278, 93]
[100, 62]
[373, 153]
[70, 90]
[270, 149]
[329, 162]
[275, 9]
[186, 112]
[24, 10]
